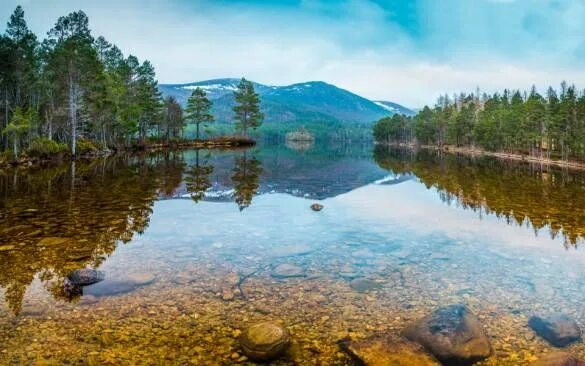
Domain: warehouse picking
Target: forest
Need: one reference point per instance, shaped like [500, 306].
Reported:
[550, 126]
[73, 94]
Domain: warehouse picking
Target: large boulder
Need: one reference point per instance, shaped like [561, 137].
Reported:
[265, 341]
[387, 350]
[85, 276]
[558, 359]
[558, 329]
[119, 286]
[453, 334]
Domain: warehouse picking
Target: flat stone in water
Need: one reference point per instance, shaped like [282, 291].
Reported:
[364, 285]
[265, 341]
[558, 329]
[287, 270]
[86, 276]
[119, 286]
[7, 247]
[558, 359]
[51, 240]
[291, 250]
[453, 334]
[383, 350]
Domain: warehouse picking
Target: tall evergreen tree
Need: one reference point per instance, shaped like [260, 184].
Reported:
[247, 109]
[198, 109]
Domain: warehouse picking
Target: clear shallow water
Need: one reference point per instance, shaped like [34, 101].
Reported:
[184, 276]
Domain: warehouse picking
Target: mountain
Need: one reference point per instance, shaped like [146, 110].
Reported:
[395, 108]
[313, 101]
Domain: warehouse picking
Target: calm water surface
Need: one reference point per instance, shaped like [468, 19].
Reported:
[189, 242]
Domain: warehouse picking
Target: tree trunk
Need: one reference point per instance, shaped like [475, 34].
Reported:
[73, 110]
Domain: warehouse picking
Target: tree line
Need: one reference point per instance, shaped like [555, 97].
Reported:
[73, 93]
[544, 126]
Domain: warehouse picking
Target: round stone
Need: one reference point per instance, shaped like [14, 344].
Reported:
[265, 341]
[316, 207]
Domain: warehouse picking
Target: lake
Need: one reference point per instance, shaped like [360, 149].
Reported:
[197, 245]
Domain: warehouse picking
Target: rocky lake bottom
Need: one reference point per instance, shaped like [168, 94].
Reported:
[384, 273]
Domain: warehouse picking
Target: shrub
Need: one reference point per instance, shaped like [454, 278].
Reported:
[42, 147]
[85, 146]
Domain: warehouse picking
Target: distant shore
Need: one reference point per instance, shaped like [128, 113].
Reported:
[223, 142]
[571, 164]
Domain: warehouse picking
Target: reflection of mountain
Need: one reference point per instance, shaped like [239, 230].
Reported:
[318, 173]
[518, 192]
[55, 220]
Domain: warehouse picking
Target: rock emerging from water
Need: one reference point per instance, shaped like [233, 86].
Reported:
[558, 359]
[383, 350]
[316, 207]
[85, 276]
[286, 270]
[558, 329]
[265, 341]
[453, 334]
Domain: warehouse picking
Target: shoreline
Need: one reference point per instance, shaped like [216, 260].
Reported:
[227, 142]
[474, 152]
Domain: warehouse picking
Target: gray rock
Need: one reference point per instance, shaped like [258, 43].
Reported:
[558, 329]
[453, 334]
[86, 276]
[364, 285]
[111, 287]
[286, 270]
[558, 359]
[384, 350]
[291, 250]
[265, 341]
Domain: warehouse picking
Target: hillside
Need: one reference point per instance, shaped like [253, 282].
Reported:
[314, 101]
[395, 108]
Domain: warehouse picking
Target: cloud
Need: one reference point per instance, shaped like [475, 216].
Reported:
[408, 52]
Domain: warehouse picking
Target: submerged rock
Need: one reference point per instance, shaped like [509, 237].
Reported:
[364, 285]
[291, 250]
[52, 240]
[86, 276]
[286, 270]
[265, 341]
[119, 286]
[558, 329]
[453, 334]
[383, 350]
[558, 359]
[316, 207]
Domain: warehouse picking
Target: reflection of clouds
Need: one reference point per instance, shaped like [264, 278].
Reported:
[412, 207]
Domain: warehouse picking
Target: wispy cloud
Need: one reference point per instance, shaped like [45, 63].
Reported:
[406, 51]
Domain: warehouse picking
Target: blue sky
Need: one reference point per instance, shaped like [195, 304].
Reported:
[404, 51]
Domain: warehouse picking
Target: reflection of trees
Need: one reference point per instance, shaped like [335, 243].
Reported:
[511, 190]
[68, 217]
[197, 179]
[246, 175]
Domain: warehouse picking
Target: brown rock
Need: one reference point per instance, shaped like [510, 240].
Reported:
[453, 334]
[386, 350]
[265, 341]
[316, 207]
[558, 359]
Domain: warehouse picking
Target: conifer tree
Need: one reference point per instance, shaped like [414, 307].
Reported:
[247, 109]
[198, 109]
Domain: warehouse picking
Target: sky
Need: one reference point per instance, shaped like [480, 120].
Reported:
[404, 51]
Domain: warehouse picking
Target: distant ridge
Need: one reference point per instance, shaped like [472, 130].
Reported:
[395, 108]
[312, 101]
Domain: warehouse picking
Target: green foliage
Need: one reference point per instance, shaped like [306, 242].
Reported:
[198, 107]
[42, 147]
[247, 109]
[527, 123]
[85, 147]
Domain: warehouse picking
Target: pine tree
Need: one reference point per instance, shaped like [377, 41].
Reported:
[18, 128]
[247, 109]
[198, 109]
